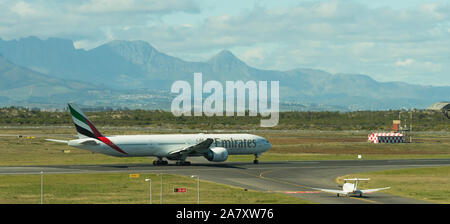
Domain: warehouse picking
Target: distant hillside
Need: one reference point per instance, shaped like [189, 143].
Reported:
[21, 84]
[135, 65]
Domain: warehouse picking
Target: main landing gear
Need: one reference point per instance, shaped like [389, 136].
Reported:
[160, 162]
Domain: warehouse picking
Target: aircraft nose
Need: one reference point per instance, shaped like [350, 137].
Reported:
[265, 145]
[268, 144]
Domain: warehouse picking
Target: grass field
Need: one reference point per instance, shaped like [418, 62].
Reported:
[430, 184]
[119, 188]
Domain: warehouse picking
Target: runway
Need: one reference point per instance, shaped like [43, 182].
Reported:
[295, 178]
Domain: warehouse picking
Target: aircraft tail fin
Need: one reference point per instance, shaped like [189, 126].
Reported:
[84, 126]
[355, 185]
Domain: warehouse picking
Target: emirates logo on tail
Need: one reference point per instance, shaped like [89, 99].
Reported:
[86, 128]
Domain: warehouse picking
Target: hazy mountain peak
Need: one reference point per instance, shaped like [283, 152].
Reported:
[138, 52]
[132, 44]
[224, 55]
[226, 58]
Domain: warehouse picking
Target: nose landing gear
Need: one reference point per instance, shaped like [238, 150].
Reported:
[256, 161]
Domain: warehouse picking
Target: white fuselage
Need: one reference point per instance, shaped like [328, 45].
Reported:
[163, 145]
[350, 188]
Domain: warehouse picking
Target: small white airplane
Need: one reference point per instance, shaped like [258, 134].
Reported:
[214, 147]
[349, 189]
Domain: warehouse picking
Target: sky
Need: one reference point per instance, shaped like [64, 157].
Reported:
[402, 40]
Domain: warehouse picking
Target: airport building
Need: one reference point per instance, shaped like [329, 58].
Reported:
[441, 106]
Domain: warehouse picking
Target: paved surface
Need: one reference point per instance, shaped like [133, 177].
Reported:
[292, 178]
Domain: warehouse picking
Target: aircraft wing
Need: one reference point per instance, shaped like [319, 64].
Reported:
[331, 191]
[198, 148]
[373, 190]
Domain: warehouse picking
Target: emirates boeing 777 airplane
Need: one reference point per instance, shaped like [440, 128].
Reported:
[214, 147]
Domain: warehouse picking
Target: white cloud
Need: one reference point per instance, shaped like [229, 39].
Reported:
[432, 10]
[105, 6]
[24, 9]
[88, 22]
[253, 56]
[137, 6]
[327, 9]
[403, 63]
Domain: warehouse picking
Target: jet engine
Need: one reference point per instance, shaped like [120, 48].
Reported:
[217, 154]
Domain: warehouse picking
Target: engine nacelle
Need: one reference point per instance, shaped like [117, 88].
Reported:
[217, 154]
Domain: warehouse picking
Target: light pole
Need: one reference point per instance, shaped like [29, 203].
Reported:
[161, 192]
[150, 180]
[198, 188]
[42, 187]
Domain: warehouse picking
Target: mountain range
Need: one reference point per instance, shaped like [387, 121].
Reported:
[136, 75]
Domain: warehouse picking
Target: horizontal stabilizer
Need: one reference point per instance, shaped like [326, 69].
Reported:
[368, 191]
[56, 140]
[356, 179]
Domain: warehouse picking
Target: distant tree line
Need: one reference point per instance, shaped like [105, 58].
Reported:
[358, 120]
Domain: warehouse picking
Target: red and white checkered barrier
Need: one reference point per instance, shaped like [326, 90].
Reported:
[384, 137]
